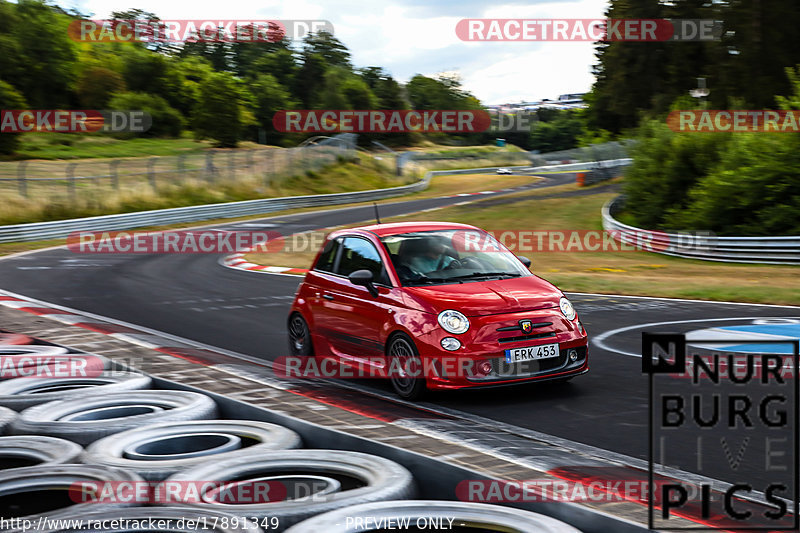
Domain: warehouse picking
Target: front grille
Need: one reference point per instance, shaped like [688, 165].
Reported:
[519, 328]
[527, 337]
[500, 368]
[503, 371]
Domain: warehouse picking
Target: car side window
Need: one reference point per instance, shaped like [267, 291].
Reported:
[327, 258]
[358, 254]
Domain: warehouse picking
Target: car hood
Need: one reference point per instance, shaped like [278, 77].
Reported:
[475, 298]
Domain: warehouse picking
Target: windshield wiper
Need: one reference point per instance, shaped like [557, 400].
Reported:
[487, 275]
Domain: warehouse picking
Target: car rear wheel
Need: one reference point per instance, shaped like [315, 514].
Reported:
[406, 370]
[299, 336]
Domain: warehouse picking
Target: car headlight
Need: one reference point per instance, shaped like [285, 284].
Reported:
[566, 308]
[453, 321]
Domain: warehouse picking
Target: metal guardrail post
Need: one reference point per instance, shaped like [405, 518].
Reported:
[180, 164]
[248, 157]
[210, 168]
[114, 171]
[151, 172]
[269, 166]
[22, 181]
[70, 171]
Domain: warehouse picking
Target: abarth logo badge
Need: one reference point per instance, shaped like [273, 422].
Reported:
[526, 326]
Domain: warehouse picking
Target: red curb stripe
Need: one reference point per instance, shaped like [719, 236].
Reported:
[10, 299]
[44, 311]
[14, 339]
[106, 328]
[345, 405]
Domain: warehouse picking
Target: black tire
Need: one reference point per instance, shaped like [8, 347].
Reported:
[46, 361]
[365, 478]
[21, 393]
[114, 450]
[36, 450]
[481, 516]
[171, 519]
[49, 491]
[402, 354]
[6, 417]
[299, 336]
[144, 407]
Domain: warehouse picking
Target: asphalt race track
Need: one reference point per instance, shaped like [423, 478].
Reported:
[193, 296]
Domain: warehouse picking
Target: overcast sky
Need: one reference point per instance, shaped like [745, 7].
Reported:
[407, 37]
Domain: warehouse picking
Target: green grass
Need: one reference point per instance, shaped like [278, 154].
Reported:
[361, 174]
[630, 272]
[48, 146]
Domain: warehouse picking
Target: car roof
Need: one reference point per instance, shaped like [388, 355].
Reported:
[395, 228]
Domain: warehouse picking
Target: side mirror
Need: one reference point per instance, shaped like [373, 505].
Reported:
[524, 260]
[364, 278]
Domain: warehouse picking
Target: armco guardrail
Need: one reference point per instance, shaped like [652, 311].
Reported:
[61, 228]
[704, 245]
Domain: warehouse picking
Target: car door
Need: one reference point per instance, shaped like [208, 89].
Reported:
[353, 318]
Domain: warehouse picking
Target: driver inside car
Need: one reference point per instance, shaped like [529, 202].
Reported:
[425, 255]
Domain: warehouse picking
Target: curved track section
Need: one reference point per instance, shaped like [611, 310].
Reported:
[194, 297]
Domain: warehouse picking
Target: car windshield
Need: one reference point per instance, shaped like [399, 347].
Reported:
[450, 256]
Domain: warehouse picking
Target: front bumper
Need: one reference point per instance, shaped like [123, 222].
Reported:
[481, 361]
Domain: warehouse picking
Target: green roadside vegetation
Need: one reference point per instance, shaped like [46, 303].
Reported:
[629, 272]
[361, 173]
[439, 186]
[70, 146]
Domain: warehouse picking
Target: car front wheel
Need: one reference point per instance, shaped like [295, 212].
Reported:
[406, 371]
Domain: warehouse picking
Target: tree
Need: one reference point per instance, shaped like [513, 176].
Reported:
[270, 96]
[166, 121]
[96, 86]
[218, 114]
[10, 98]
[47, 54]
[331, 49]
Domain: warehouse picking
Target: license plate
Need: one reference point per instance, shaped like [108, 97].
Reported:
[531, 353]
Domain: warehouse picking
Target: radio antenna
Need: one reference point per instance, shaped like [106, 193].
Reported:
[377, 215]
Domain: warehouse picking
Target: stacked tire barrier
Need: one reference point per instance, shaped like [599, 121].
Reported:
[71, 443]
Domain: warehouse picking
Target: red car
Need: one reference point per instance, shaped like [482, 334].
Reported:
[433, 305]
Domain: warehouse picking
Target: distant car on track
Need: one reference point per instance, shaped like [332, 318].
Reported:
[504, 171]
[445, 298]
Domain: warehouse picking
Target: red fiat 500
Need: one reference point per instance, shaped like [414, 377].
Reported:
[434, 305]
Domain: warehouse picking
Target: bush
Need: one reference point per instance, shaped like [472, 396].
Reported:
[731, 184]
[753, 190]
[167, 122]
[666, 165]
[218, 114]
[97, 85]
[10, 98]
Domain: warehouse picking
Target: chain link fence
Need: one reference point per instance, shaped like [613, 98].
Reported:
[67, 181]
[592, 153]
